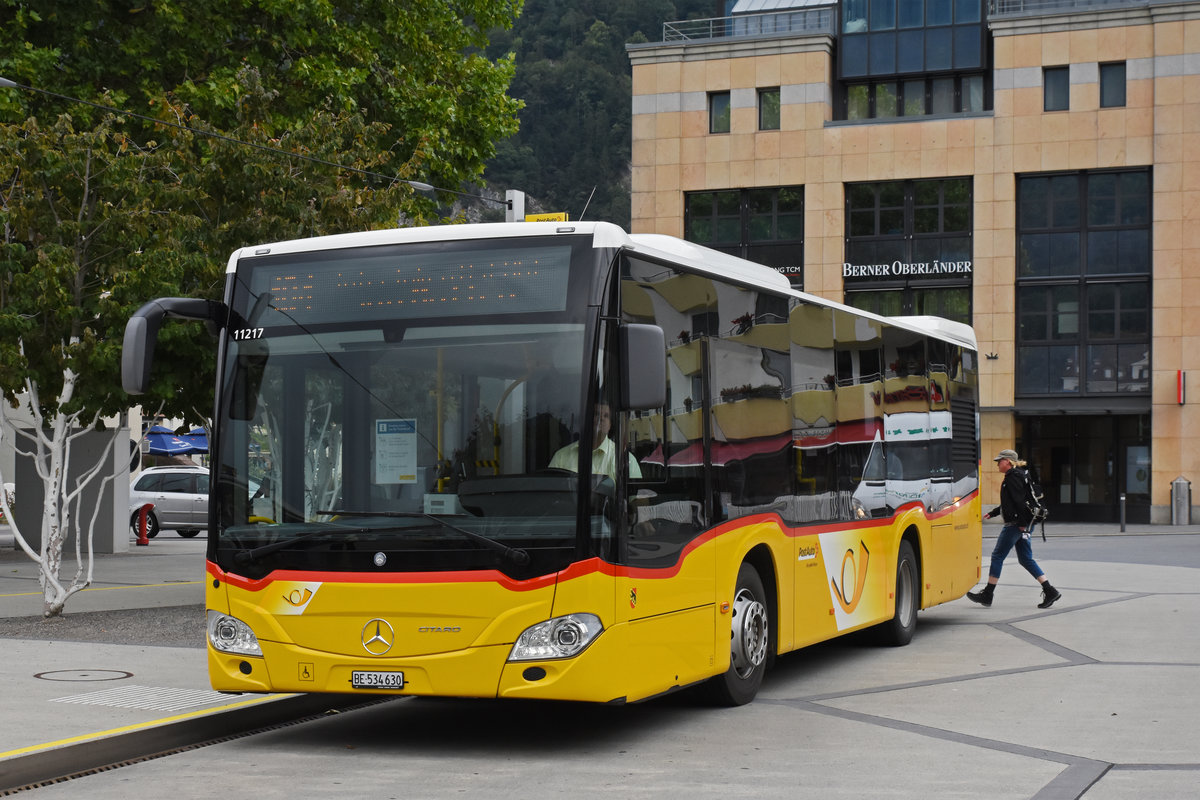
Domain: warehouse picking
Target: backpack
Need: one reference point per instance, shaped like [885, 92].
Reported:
[1035, 502]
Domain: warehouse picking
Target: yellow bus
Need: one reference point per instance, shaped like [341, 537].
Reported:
[560, 461]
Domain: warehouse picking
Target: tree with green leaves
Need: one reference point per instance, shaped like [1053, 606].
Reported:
[254, 121]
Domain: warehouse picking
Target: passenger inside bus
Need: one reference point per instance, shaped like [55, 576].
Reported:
[604, 450]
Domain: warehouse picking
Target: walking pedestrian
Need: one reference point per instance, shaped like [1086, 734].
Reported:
[1018, 518]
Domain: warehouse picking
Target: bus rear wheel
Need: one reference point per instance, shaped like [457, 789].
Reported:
[749, 642]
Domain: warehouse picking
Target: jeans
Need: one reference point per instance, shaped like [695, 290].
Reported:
[1010, 537]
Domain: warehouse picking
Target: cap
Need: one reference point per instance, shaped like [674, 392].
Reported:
[1011, 455]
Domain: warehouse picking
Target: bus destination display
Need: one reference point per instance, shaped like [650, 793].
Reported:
[390, 283]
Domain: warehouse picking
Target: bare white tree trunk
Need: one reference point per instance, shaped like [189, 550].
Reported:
[52, 439]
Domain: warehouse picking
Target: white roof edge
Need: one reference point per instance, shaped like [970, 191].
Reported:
[605, 234]
[706, 259]
[717, 263]
[945, 328]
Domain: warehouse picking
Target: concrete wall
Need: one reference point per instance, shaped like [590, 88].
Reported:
[111, 534]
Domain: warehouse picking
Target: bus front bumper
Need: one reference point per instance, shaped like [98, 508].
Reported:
[597, 674]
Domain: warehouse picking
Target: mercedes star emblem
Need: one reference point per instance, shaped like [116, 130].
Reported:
[377, 637]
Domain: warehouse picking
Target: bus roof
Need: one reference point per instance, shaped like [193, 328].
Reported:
[605, 234]
[941, 327]
[704, 259]
[654, 246]
[716, 263]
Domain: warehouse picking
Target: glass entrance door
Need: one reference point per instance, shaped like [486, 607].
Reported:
[1085, 463]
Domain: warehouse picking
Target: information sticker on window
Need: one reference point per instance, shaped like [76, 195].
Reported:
[395, 451]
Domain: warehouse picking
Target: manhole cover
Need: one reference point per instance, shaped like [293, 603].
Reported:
[70, 675]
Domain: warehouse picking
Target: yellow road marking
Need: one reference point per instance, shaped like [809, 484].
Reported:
[112, 588]
[141, 726]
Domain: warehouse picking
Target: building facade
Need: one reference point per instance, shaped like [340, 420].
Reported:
[1031, 167]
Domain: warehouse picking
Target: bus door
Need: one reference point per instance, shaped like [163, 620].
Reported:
[666, 571]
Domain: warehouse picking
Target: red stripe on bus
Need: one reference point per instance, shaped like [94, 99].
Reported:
[573, 571]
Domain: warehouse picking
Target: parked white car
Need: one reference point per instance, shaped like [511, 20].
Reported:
[180, 498]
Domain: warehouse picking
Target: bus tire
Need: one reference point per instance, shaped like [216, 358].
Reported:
[898, 631]
[749, 641]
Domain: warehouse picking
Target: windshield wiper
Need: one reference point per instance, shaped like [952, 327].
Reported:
[246, 556]
[515, 554]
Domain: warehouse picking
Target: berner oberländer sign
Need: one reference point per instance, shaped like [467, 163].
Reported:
[901, 269]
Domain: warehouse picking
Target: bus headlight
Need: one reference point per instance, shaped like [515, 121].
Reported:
[561, 637]
[231, 635]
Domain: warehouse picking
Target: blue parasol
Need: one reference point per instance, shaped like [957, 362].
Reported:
[165, 442]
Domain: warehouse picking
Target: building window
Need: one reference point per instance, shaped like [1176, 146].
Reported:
[1112, 85]
[883, 41]
[718, 112]
[915, 97]
[949, 302]
[971, 96]
[1083, 287]
[1057, 84]
[913, 101]
[859, 100]
[768, 109]
[883, 37]
[908, 247]
[1096, 223]
[764, 225]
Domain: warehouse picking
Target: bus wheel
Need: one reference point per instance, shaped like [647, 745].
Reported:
[749, 641]
[898, 631]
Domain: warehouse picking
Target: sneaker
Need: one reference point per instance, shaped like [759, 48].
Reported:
[1049, 597]
[983, 598]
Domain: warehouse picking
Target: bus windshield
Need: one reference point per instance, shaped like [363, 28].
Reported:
[376, 423]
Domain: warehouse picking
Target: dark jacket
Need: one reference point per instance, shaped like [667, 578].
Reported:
[1014, 499]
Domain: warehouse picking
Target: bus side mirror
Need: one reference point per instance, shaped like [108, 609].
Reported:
[137, 353]
[644, 360]
[141, 334]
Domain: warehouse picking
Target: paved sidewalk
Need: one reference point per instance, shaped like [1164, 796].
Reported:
[168, 572]
[59, 692]
[1096, 695]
